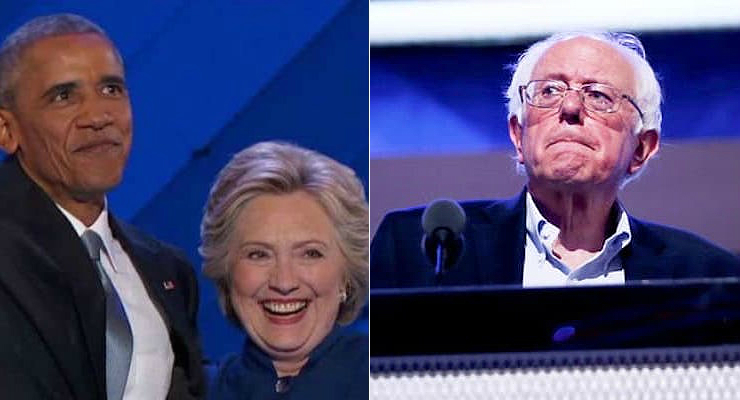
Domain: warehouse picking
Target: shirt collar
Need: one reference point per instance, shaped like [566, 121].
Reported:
[541, 231]
[100, 226]
[543, 234]
[253, 355]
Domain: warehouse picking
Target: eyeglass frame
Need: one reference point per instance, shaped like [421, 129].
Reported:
[523, 97]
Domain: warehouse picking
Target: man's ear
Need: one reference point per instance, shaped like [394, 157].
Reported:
[515, 134]
[648, 143]
[8, 132]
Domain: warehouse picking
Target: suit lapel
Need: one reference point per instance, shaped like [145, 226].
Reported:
[500, 244]
[144, 259]
[641, 260]
[173, 292]
[162, 284]
[46, 226]
[160, 279]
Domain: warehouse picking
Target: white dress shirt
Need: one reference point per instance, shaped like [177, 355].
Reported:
[543, 268]
[151, 362]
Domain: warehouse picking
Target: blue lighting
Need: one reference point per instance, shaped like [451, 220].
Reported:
[563, 333]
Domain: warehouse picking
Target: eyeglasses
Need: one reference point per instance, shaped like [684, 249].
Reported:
[595, 96]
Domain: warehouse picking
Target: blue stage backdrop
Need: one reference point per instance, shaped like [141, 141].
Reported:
[210, 78]
[452, 96]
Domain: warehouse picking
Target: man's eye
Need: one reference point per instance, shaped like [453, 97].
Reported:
[599, 98]
[550, 90]
[112, 90]
[596, 95]
[313, 253]
[61, 96]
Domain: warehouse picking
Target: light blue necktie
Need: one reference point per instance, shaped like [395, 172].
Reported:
[118, 337]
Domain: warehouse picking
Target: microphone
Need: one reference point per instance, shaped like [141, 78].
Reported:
[443, 221]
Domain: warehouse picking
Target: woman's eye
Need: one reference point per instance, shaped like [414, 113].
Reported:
[313, 253]
[256, 254]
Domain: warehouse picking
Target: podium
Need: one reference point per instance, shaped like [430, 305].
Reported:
[654, 340]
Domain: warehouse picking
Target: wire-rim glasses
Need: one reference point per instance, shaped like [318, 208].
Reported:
[597, 97]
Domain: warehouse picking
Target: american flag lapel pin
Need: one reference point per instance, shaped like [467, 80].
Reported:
[168, 285]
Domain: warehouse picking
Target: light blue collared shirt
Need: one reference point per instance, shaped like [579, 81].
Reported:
[543, 268]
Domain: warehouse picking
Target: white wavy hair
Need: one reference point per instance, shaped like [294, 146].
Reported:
[648, 96]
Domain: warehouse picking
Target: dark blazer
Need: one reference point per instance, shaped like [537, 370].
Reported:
[495, 236]
[337, 369]
[52, 321]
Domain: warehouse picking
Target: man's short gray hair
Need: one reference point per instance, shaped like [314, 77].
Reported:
[29, 33]
[647, 91]
[281, 168]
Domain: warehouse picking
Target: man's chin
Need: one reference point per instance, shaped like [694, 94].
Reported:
[568, 179]
[576, 182]
[566, 174]
[95, 189]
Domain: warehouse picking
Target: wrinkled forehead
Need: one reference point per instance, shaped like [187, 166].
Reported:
[584, 60]
[59, 46]
[65, 57]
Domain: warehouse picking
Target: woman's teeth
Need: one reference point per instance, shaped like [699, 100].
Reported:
[284, 308]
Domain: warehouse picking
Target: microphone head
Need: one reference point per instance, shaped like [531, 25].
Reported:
[443, 213]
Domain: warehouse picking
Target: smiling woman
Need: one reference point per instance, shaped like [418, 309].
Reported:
[287, 277]
[285, 240]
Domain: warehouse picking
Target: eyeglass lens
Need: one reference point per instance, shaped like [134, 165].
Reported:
[546, 94]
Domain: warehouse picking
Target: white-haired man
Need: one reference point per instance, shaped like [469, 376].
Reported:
[584, 118]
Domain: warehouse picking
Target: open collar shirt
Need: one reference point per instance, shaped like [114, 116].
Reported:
[542, 268]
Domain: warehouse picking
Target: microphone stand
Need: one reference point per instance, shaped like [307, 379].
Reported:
[440, 266]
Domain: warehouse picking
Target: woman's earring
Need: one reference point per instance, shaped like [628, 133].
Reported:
[343, 296]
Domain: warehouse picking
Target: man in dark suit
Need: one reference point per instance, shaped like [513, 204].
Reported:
[90, 307]
[584, 117]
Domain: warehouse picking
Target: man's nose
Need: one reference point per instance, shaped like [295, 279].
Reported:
[283, 278]
[95, 115]
[572, 107]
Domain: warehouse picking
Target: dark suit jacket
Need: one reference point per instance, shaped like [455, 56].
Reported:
[495, 236]
[52, 321]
